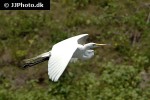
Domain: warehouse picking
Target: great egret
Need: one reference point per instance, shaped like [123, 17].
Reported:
[62, 53]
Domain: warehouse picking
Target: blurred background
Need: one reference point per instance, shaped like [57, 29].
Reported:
[117, 72]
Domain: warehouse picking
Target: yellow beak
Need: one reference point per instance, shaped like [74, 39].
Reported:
[101, 44]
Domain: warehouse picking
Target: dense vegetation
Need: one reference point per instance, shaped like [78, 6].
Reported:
[117, 72]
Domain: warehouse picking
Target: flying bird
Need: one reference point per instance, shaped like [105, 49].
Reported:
[64, 52]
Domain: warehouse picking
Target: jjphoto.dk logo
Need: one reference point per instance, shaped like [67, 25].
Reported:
[39, 4]
[25, 5]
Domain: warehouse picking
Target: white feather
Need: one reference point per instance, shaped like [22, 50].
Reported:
[61, 54]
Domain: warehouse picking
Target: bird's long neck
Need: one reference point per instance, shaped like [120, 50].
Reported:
[87, 52]
[86, 47]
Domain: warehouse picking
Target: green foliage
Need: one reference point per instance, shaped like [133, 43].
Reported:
[114, 73]
[114, 82]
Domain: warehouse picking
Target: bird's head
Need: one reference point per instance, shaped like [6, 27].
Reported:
[94, 45]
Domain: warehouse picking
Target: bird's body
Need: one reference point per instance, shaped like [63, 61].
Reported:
[65, 51]
[83, 53]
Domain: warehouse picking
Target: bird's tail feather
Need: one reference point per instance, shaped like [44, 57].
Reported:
[36, 60]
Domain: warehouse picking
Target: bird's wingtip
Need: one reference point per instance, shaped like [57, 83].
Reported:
[85, 34]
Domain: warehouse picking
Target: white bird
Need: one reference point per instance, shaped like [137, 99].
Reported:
[64, 52]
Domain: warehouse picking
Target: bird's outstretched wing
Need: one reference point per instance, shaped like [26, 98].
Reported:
[61, 54]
